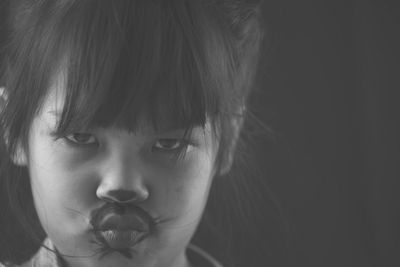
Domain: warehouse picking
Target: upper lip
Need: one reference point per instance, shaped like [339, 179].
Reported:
[113, 216]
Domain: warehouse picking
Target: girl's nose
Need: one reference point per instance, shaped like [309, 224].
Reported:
[124, 196]
[123, 183]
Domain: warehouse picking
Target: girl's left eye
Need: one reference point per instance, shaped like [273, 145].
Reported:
[170, 144]
[81, 139]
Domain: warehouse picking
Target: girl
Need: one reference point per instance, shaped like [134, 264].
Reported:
[116, 118]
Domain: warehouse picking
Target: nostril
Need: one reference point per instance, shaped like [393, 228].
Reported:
[123, 196]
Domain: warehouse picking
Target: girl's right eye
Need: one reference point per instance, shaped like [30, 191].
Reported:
[81, 139]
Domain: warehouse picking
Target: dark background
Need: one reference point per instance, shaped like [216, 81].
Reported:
[329, 90]
[329, 82]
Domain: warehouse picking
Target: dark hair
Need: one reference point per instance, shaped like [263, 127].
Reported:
[125, 60]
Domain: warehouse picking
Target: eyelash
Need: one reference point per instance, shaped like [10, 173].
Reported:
[179, 151]
[77, 143]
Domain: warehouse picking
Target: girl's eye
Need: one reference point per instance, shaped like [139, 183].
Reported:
[170, 144]
[81, 139]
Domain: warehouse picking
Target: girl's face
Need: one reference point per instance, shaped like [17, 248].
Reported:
[108, 197]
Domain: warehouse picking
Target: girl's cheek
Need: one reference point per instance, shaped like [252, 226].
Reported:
[71, 174]
[72, 158]
[187, 186]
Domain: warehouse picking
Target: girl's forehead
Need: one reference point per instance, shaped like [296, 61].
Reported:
[54, 106]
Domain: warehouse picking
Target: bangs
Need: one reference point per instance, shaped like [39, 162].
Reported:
[133, 62]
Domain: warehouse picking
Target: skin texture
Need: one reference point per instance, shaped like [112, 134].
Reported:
[69, 180]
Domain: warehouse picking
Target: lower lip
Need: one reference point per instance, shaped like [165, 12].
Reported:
[118, 239]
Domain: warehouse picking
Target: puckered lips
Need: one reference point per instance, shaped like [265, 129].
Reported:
[121, 226]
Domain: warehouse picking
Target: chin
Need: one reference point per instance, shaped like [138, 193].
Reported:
[117, 259]
[99, 256]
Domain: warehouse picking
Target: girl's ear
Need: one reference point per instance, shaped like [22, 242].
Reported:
[19, 156]
[236, 126]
